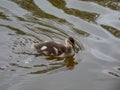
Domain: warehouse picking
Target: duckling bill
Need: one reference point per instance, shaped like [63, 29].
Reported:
[52, 48]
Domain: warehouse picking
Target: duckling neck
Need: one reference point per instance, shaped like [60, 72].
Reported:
[68, 49]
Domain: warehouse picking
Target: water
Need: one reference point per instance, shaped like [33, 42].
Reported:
[94, 24]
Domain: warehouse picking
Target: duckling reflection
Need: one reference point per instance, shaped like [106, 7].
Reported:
[68, 63]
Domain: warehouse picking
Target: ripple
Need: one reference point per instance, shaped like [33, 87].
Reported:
[112, 73]
[17, 65]
[112, 30]
[82, 14]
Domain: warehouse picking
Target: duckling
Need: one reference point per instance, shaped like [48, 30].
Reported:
[56, 49]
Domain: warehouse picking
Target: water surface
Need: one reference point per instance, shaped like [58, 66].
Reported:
[94, 24]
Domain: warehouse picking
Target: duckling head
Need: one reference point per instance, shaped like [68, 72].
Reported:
[70, 42]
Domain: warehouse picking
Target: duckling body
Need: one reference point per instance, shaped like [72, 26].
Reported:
[56, 49]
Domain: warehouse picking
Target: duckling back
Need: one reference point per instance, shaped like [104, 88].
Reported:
[50, 48]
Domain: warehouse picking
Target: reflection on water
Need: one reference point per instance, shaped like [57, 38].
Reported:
[112, 30]
[82, 14]
[114, 74]
[68, 62]
[94, 24]
[112, 4]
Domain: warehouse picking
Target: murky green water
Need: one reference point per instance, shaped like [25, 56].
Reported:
[94, 24]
